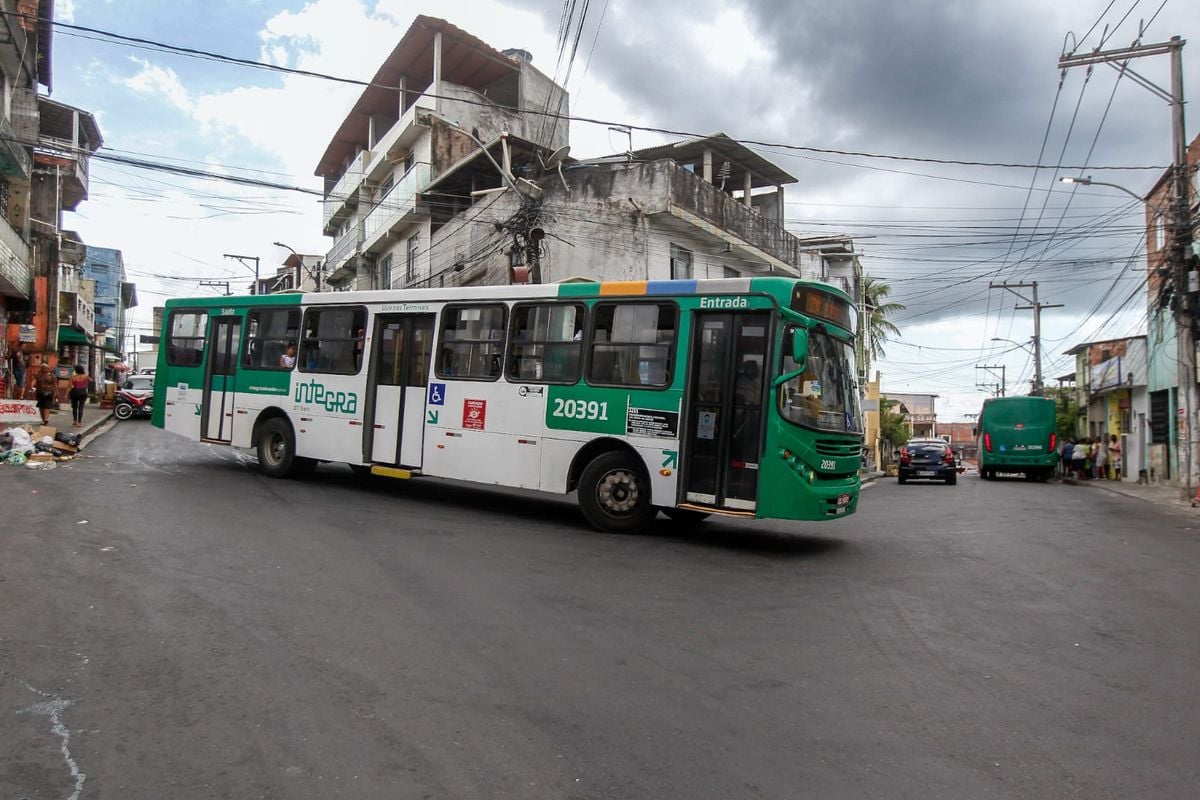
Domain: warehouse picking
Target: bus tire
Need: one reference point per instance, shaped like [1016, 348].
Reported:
[277, 451]
[614, 493]
[685, 515]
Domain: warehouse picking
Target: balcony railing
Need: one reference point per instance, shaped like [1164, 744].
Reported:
[345, 191]
[402, 133]
[396, 205]
[15, 272]
[344, 248]
[14, 157]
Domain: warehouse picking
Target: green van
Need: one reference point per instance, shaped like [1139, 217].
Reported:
[1017, 434]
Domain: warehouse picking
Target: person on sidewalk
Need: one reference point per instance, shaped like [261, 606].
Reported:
[79, 395]
[1079, 459]
[46, 386]
[1101, 460]
[18, 371]
[1114, 456]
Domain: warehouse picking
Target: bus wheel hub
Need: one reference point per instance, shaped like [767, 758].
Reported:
[619, 492]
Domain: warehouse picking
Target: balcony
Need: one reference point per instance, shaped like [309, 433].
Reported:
[397, 207]
[343, 252]
[15, 160]
[399, 138]
[73, 168]
[16, 276]
[76, 312]
[344, 195]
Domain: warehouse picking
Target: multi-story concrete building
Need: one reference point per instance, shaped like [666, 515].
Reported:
[24, 64]
[919, 411]
[1166, 410]
[459, 176]
[451, 90]
[114, 295]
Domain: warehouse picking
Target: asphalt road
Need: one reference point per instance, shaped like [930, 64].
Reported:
[173, 625]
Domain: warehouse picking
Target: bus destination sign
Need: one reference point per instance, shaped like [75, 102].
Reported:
[813, 302]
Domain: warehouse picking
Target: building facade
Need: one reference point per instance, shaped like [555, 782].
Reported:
[1111, 399]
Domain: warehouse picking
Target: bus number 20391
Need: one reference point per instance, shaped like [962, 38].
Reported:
[580, 409]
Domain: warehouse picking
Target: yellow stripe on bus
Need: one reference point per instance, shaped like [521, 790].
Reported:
[623, 288]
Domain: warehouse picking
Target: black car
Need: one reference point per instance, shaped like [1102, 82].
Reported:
[927, 459]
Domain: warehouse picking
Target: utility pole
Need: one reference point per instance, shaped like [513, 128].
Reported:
[242, 260]
[218, 284]
[1001, 387]
[1036, 307]
[1186, 280]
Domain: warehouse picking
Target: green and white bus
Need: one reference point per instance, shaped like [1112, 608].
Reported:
[694, 397]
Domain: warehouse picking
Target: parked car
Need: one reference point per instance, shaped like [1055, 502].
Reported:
[927, 459]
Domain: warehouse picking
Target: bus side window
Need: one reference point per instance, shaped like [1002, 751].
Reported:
[632, 344]
[334, 339]
[268, 334]
[185, 345]
[547, 342]
[471, 345]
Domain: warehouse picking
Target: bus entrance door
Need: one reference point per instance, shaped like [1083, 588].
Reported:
[725, 409]
[216, 411]
[395, 424]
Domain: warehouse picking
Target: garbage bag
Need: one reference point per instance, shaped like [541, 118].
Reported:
[72, 439]
[22, 442]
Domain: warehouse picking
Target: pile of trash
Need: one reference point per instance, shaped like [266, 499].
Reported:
[40, 449]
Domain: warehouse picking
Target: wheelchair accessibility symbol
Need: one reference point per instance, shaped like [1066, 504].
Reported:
[437, 394]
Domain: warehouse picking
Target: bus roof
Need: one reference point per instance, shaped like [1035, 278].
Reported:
[776, 286]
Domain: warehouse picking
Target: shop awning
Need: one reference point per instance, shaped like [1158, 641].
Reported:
[71, 336]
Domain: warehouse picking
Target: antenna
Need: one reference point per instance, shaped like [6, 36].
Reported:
[555, 162]
[628, 132]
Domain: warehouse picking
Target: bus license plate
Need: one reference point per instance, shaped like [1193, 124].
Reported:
[843, 500]
[927, 473]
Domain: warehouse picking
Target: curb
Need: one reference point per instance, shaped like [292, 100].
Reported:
[1093, 484]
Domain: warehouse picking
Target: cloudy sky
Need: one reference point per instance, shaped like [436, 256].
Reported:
[911, 84]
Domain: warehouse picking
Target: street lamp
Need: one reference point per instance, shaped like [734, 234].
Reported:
[1090, 182]
[1024, 347]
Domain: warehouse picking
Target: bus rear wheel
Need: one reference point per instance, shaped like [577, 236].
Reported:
[277, 452]
[614, 494]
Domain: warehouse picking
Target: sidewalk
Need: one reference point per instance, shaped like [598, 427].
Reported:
[1161, 495]
[93, 417]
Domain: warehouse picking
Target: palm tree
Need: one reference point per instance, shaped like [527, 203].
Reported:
[880, 330]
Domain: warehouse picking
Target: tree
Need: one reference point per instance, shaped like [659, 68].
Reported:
[892, 427]
[880, 329]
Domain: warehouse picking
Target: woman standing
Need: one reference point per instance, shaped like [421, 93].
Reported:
[46, 387]
[1114, 455]
[1101, 459]
[79, 394]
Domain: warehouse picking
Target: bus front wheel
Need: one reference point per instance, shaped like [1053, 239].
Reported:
[614, 494]
[277, 451]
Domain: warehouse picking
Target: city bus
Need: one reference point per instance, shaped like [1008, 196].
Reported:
[733, 397]
[1017, 434]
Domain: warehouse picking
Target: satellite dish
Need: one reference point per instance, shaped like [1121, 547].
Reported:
[556, 158]
[555, 162]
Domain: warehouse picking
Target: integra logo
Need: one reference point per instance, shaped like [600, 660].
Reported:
[724, 302]
[317, 394]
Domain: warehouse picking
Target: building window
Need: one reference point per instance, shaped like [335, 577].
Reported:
[410, 261]
[681, 263]
[334, 338]
[472, 342]
[385, 272]
[268, 334]
[729, 272]
[1153, 234]
[185, 346]
[547, 343]
[632, 344]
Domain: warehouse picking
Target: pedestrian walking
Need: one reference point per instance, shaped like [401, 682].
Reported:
[1114, 454]
[46, 387]
[19, 362]
[1079, 458]
[79, 395]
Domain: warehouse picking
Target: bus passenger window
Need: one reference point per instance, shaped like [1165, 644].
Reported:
[472, 342]
[268, 334]
[633, 344]
[547, 343]
[334, 339]
[185, 345]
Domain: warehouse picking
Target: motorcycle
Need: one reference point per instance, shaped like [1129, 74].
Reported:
[129, 404]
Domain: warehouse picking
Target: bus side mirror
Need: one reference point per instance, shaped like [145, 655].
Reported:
[800, 347]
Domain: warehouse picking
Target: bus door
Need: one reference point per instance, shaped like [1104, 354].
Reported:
[399, 374]
[725, 409]
[216, 410]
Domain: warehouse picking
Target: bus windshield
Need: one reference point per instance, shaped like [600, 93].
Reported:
[825, 395]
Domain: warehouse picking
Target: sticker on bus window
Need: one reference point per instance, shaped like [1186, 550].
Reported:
[474, 414]
[706, 425]
[652, 422]
[811, 389]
